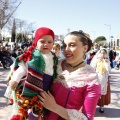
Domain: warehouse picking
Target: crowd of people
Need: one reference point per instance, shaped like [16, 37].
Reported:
[54, 82]
[8, 53]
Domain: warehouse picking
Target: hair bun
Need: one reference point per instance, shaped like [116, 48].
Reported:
[81, 31]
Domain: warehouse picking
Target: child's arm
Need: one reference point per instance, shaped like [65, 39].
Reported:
[10, 73]
[17, 76]
[14, 80]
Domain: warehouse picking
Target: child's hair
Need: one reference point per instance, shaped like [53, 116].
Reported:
[27, 55]
[57, 45]
[103, 50]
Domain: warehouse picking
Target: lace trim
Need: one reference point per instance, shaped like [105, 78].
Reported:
[49, 63]
[76, 115]
[81, 77]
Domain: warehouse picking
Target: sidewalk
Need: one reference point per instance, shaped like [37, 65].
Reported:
[4, 108]
[112, 111]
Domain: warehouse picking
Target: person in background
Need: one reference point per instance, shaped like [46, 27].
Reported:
[1, 42]
[93, 52]
[7, 55]
[95, 49]
[2, 57]
[87, 58]
[111, 57]
[114, 52]
[75, 92]
[56, 49]
[34, 72]
[101, 64]
[117, 61]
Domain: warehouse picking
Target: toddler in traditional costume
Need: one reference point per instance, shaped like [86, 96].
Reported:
[33, 72]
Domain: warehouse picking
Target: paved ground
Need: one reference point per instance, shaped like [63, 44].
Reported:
[112, 111]
[4, 108]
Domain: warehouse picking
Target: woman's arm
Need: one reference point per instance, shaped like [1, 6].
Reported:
[91, 96]
[48, 101]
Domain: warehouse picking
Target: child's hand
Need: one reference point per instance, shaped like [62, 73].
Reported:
[13, 84]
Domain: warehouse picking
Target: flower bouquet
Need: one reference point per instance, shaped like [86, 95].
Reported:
[23, 104]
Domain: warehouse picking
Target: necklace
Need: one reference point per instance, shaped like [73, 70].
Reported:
[76, 65]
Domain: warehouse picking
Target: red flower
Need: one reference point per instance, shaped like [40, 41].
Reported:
[16, 117]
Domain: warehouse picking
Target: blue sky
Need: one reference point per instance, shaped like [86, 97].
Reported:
[61, 15]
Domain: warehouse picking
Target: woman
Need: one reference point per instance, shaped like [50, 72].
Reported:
[101, 64]
[75, 92]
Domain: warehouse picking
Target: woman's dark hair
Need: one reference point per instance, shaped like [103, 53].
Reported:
[83, 37]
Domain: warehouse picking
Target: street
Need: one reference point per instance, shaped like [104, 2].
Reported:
[111, 112]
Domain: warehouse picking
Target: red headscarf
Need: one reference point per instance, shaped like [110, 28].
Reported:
[26, 56]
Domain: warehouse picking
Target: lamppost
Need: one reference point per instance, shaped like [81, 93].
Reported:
[109, 32]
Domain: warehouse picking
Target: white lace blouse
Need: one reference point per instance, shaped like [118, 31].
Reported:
[79, 78]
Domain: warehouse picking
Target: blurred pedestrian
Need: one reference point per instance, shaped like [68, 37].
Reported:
[101, 64]
[56, 49]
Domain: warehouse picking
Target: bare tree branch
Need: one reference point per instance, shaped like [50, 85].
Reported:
[7, 8]
[11, 13]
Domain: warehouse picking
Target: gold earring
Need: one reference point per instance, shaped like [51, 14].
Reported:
[84, 56]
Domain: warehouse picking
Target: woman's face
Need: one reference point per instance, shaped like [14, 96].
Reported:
[74, 50]
[45, 44]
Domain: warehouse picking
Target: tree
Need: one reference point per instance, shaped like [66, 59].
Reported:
[13, 32]
[19, 37]
[101, 41]
[24, 29]
[7, 8]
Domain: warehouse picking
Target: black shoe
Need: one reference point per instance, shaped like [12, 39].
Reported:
[101, 110]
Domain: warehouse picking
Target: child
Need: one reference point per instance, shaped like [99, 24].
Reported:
[33, 72]
[56, 49]
[101, 64]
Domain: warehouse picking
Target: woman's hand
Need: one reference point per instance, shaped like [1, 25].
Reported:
[48, 101]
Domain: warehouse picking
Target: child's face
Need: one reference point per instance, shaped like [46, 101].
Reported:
[56, 50]
[45, 44]
[102, 53]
